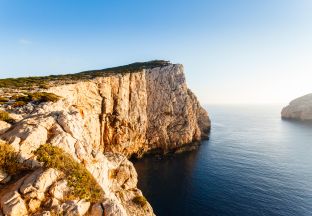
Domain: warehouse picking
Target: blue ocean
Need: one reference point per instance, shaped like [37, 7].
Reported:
[254, 164]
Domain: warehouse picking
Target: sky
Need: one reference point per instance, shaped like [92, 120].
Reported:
[233, 52]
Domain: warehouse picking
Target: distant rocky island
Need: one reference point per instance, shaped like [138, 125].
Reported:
[65, 140]
[299, 109]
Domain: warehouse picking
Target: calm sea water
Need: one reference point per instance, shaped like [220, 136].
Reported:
[254, 164]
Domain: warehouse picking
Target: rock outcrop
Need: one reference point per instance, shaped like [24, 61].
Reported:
[299, 109]
[100, 122]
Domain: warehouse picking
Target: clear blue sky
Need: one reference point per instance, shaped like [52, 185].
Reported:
[234, 51]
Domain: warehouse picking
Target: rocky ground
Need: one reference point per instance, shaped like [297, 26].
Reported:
[100, 123]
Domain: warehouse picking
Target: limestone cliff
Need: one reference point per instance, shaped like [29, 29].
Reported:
[299, 109]
[101, 122]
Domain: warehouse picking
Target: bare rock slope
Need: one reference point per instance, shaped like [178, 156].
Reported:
[100, 122]
[299, 109]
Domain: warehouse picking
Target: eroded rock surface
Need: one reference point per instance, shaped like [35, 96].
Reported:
[135, 112]
[101, 123]
[299, 109]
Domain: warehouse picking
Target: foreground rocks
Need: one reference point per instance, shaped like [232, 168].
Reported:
[41, 192]
[101, 123]
[299, 109]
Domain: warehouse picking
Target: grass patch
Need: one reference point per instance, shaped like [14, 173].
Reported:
[9, 159]
[3, 99]
[45, 81]
[82, 184]
[5, 116]
[44, 97]
[140, 200]
[19, 104]
[37, 97]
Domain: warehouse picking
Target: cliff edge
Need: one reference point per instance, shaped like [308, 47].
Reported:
[99, 119]
[299, 109]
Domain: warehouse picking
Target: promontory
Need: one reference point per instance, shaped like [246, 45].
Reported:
[65, 140]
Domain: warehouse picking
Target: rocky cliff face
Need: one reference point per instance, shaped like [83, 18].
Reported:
[133, 113]
[100, 122]
[299, 109]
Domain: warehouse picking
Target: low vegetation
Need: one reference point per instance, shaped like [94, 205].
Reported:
[82, 184]
[46, 81]
[9, 159]
[5, 116]
[140, 200]
[3, 100]
[19, 104]
[38, 97]
[35, 97]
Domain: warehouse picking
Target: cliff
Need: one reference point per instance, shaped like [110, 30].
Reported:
[299, 109]
[100, 118]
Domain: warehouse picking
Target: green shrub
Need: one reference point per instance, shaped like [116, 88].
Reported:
[43, 97]
[36, 97]
[140, 200]
[44, 86]
[5, 116]
[9, 159]
[19, 103]
[3, 99]
[81, 182]
[47, 81]
[24, 98]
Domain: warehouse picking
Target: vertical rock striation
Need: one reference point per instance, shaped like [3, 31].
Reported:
[141, 111]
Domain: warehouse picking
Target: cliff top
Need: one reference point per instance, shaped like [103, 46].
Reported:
[29, 83]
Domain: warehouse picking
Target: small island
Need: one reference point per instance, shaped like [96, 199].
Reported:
[299, 109]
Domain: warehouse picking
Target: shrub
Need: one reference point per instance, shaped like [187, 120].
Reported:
[36, 97]
[43, 97]
[140, 200]
[5, 116]
[3, 99]
[82, 184]
[45, 82]
[44, 86]
[21, 98]
[19, 103]
[9, 159]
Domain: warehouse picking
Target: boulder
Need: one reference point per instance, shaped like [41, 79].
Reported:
[4, 126]
[13, 204]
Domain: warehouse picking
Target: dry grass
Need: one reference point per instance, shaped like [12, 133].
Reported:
[5, 116]
[140, 200]
[37, 97]
[9, 159]
[3, 100]
[19, 104]
[82, 184]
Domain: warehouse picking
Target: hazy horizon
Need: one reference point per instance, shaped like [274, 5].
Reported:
[238, 52]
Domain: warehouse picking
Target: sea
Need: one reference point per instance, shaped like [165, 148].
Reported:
[254, 164]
